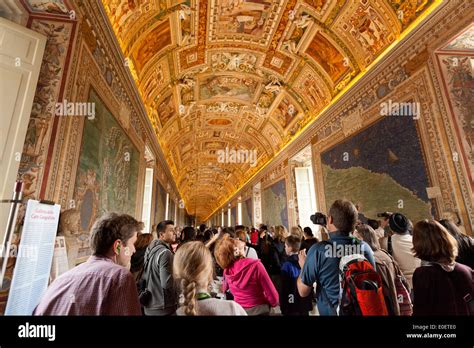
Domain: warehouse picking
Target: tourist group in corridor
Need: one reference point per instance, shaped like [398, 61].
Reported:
[351, 266]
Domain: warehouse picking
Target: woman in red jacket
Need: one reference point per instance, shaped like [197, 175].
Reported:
[246, 278]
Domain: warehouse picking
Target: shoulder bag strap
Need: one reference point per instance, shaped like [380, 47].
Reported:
[389, 245]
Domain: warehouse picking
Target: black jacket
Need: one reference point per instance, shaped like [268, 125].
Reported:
[291, 303]
[308, 243]
[268, 253]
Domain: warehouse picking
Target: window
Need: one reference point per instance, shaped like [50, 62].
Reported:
[147, 194]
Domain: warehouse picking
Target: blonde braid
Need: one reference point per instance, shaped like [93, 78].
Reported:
[189, 293]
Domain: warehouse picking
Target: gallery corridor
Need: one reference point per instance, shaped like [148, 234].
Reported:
[237, 157]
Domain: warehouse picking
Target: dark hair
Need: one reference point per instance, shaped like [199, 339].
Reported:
[373, 223]
[294, 242]
[344, 215]
[263, 228]
[202, 228]
[208, 234]
[229, 230]
[161, 227]
[432, 242]
[452, 228]
[307, 231]
[143, 239]
[465, 243]
[239, 228]
[188, 233]
[368, 235]
[110, 227]
[242, 235]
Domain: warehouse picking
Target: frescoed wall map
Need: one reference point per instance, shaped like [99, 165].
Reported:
[274, 205]
[233, 216]
[160, 207]
[107, 177]
[108, 167]
[247, 212]
[382, 168]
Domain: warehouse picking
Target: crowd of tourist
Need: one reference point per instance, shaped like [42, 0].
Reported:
[358, 266]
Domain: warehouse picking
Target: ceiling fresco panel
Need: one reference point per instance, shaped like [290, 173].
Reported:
[245, 75]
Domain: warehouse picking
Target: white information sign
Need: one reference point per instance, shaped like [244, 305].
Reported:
[34, 259]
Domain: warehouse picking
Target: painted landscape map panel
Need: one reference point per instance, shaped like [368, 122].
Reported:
[233, 216]
[172, 210]
[382, 168]
[107, 176]
[108, 169]
[274, 205]
[247, 212]
[160, 207]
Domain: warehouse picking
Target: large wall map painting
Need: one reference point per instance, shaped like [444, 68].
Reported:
[172, 210]
[382, 168]
[274, 204]
[247, 212]
[233, 216]
[160, 203]
[107, 173]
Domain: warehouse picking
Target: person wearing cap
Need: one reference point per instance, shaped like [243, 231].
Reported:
[402, 245]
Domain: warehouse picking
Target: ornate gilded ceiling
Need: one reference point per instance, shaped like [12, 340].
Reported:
[245, 74]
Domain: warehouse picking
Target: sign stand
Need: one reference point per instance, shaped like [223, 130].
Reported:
[15, 201]
[35, 256]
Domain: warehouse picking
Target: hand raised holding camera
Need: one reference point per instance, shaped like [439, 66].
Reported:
[302, 257]
[319, 219]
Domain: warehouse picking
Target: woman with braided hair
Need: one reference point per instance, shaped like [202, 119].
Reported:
[193, 270]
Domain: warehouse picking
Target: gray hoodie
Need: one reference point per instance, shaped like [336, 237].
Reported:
[159, 279]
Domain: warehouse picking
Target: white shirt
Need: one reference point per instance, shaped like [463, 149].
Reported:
[250, 253]
[215, 306]
[402, 253]
[379, 232]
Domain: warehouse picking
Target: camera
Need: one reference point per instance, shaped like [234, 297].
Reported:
[319, 219]
[385, 215]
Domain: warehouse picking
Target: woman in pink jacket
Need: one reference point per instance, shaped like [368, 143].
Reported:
[247, 279]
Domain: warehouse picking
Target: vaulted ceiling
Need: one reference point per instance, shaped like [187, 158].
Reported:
[245, 75]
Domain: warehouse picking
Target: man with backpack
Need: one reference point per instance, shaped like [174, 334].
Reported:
[322, 263]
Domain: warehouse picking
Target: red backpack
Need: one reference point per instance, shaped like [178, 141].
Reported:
[361, 288]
